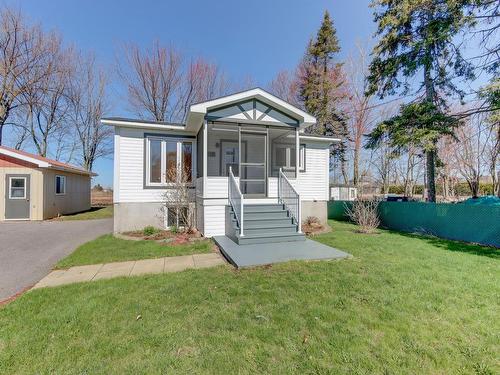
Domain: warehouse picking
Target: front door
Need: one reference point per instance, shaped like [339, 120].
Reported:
[253, 176]
[17, 196]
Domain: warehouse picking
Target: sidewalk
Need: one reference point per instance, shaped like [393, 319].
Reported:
[130, 268]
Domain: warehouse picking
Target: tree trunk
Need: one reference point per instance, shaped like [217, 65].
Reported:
[430, 154]
[431, 182]
[355, 171]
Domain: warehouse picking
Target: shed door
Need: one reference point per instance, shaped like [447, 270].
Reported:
[17, 196]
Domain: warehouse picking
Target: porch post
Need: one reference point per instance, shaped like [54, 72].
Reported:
[205, 151]
[297, 153]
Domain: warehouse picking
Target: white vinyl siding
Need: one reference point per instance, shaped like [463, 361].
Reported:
[129, 168]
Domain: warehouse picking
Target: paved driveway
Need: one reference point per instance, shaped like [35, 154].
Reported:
[29, 250]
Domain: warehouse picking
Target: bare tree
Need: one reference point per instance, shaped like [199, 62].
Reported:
[383, 164]
[152, 78]
[447, 171]
[46, 102]
[409, 168]
[473, 138]
[87, 100]
[23, 56]
[202, 81]
[359, 105]
[286, 86]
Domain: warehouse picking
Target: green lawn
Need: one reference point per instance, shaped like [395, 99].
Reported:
[107, 249]
[402, 305]
[92, 214]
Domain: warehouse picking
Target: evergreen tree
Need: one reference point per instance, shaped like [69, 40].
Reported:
[319, 88]
[416, 37]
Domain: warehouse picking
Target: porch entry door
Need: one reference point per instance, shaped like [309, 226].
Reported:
[253, 164]
[17, 196]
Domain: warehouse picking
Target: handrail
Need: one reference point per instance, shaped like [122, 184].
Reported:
[235, 199]
[290, 198]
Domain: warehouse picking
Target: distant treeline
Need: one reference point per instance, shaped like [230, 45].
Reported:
[459, 189]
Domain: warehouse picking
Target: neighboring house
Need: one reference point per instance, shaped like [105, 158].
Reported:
[37, 188]
[247, 149]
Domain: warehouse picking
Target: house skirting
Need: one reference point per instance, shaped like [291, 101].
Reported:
[317, 209]
[137, 215]
[210, 215]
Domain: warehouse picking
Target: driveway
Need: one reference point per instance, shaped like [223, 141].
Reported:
[29, 250]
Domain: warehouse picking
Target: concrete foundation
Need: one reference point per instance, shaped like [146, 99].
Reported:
[136, 216]
[318, 209]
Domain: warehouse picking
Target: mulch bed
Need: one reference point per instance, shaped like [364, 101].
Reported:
[165, 236]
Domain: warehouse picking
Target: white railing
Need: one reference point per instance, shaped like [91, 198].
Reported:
[289, 197]
[235, 199]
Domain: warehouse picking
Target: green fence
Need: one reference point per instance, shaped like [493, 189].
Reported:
[477, 224]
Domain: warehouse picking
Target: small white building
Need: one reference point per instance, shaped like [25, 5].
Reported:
[343, 193]
[244, 151]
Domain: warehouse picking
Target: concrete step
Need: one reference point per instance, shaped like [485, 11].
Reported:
[274, 223]
[266, 238]
[269, 230]
[263, 208]
[265, 215]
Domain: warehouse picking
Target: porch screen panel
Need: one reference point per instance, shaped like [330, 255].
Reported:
[222, 150]
[282, 152]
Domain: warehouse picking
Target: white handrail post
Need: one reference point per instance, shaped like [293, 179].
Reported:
[279, 187]
[299, 219]
[241, 225]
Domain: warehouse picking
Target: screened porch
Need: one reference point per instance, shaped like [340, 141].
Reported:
[254, 153]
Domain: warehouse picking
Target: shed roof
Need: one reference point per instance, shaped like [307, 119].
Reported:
[43, 162]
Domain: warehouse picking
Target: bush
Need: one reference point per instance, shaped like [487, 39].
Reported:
[310, 220]
[150, 230]
[364, 214]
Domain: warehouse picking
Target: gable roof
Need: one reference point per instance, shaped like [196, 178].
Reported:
[43, 162]
[198, 111]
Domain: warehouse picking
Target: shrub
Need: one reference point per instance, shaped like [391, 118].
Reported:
[150, 230]
[174, 229]
[310, 220]
[364, 214]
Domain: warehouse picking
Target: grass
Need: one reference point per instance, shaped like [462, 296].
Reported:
[92, 214]
[403, 305]
[107, 249]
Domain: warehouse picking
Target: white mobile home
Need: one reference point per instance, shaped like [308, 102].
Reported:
[245, 152]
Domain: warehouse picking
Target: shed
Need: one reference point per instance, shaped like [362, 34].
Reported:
[37, 188]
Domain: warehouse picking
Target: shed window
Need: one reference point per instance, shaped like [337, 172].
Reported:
[60, 185]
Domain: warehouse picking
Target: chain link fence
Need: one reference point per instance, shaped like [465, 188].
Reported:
[469, 223]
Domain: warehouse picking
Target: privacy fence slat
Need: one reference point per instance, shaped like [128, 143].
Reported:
[470, 223]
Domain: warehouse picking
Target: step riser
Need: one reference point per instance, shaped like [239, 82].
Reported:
[248, 241]
[276, 223]
[262, 208]
[266, 215]
[264, 231]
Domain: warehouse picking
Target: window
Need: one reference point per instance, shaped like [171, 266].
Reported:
[17, 188]
[176, 217]
[165, 158]
[60, 185]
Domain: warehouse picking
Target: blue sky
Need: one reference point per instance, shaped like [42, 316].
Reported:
[246, 38]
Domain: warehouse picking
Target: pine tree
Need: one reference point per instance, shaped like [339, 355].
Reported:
[416, 37]
[319, 88]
